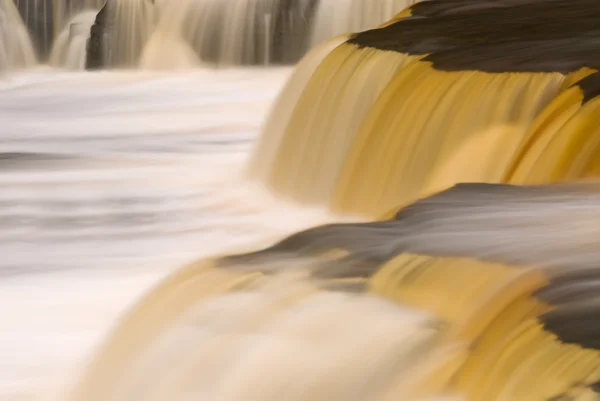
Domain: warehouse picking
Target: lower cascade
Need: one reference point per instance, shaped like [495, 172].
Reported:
[500, 304]
[461, 137]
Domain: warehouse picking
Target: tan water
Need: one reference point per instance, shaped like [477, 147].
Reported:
[46, 19]
[69, 49]
[231, 33]
[169, 34]
[16, 49]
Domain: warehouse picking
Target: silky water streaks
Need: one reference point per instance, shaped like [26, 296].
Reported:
[70, 47]
[173, 35]
[499, 303]
[493, 285]
[481, 291]
[465, 85]
[46, 20]
[16, 49]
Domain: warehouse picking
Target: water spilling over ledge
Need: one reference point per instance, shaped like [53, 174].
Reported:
[173, 34]
[16, 51]
[476, 89]
[472, 291]
[281, 313]
[383, 123]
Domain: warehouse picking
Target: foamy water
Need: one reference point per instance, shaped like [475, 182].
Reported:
[109, 181]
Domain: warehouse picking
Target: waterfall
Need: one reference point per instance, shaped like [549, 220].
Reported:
[69, 50]
[172, 34]
[16, 49]
[47, 19]
[424, 197]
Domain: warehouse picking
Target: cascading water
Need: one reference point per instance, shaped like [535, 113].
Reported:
[505, 273]
[38, 17]
[262, 325]
[16, 50]
[128, 25]
[476, 291]
[246, 32]
[169, 34]
[47, 19]
[377, 101]
[69, 50]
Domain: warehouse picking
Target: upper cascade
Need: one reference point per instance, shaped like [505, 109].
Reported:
[174, 34]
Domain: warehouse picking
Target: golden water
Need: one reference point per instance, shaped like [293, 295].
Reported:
[353, 136]
[272, 133]
[563, 143]
[463, 294]
[478, 143]
[271, 328]
[313, 148]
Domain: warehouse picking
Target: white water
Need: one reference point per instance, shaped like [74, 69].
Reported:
[109, 181]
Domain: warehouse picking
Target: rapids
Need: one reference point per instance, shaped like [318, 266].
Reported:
[110, 181]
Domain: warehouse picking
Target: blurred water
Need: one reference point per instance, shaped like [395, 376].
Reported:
[108, 181]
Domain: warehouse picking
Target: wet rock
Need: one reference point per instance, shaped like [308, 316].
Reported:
[95, 45]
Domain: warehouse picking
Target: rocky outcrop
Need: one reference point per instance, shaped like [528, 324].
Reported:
[292, 30]
[95, 45]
